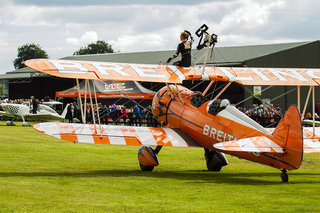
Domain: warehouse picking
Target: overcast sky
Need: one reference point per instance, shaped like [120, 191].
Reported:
[61, 27]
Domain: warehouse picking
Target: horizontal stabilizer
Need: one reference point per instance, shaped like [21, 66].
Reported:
[260, 144]
[311, 143]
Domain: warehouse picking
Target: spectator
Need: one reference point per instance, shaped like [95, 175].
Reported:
[114, 114]
[34, 104]
[69, 114]
[124, 114]
[130, 116]
[137, 115]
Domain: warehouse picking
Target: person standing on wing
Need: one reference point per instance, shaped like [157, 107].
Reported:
[185, 49]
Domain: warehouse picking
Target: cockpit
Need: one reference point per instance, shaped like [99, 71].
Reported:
[216, 106]
[197, 100]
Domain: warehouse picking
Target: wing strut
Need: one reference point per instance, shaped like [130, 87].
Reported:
[95, 97]
[85, 102]
[92, 110]
[79, 95]
[179, 94]
[313, 113]
[207, 89]
[306, 104]
[222, 91]
[170, 91]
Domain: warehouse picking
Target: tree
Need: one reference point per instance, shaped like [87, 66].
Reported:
[95, 48]
[3, 89]
[28, 51]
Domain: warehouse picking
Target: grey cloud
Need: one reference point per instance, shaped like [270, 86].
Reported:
[109, 2]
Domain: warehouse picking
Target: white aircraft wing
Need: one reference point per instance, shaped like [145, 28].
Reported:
[42, 117]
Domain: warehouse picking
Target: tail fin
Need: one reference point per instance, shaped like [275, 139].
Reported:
[64, 113]
[289, 131]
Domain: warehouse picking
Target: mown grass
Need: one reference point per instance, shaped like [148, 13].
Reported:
[39, 173]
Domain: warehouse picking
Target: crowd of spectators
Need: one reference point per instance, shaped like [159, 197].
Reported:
[115, 114]
[266, 116]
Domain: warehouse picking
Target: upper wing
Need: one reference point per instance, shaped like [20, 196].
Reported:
[121, 135]
[253, 144]
[174, 74]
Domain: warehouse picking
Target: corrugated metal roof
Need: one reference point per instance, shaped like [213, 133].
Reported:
[223, 56]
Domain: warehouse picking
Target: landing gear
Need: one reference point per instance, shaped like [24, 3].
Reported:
[147, 157]
[284, 176]
[10, 123]
[215, 160]
[26, 124]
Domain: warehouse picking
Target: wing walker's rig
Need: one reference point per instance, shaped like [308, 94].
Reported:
[190, 119]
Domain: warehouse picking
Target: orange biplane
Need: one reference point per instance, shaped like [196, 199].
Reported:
[190, 119]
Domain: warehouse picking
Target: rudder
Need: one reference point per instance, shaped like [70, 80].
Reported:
[289, 131]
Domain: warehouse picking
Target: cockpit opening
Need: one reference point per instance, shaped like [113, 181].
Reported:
[197, 100]
[215, 106]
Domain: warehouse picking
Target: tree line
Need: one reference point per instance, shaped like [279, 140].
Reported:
[30, 51]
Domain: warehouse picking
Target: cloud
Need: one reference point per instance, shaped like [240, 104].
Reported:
[136, 43]
[144, 25]
[86, 38]
[107, 2]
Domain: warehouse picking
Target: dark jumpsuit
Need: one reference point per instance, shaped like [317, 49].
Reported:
[185, 49]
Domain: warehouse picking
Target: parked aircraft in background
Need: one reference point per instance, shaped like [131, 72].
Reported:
[23, 111]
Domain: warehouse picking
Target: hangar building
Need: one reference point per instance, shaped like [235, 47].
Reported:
[26, 82]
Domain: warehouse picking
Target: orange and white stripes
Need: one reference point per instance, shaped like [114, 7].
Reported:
[311, 144]
[253, 144]
[119, 135]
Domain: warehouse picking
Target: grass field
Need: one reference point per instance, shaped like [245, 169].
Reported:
[39, 173]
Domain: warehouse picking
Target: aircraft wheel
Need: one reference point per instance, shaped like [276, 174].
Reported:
[146, 168]
[147, 158]
[214, 159]
[284, 176]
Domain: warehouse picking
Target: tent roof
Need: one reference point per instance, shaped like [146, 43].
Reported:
[111, 89]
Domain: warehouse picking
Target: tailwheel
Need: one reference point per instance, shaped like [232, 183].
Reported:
[148, 157]
[284, 176]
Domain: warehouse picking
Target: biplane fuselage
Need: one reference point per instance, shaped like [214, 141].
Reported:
[210, 128]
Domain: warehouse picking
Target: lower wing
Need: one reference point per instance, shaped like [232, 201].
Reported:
[120, 135]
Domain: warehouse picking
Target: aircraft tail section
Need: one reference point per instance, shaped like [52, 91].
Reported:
[289, 131]
[64, 113]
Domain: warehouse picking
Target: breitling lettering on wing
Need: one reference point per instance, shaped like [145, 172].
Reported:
[175, 74]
